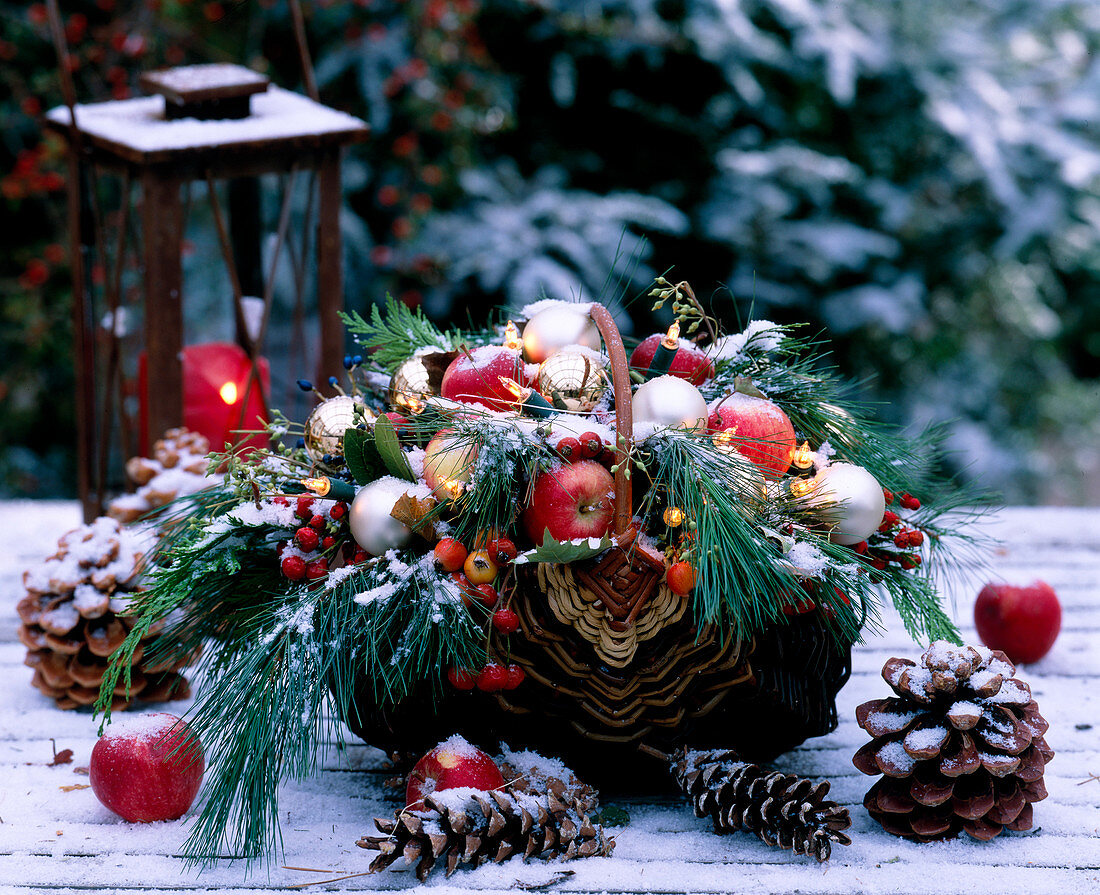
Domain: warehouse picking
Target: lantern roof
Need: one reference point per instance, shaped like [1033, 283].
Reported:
[140, 132]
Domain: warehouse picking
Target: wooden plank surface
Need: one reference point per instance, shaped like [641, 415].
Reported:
[54, 838]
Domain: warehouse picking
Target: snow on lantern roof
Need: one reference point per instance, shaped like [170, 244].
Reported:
[197, 83]
[138, 130]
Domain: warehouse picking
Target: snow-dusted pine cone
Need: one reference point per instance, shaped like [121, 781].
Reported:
[781, 809]
[176, 469]
[466, 826]
[960, 746]
[74, 616]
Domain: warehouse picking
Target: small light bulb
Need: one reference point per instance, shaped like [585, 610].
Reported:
[228, 393]
[511, 337]
[674, 517]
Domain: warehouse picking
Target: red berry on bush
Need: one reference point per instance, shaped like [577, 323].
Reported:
[304, 509]
[307, 539]
[461, 678]
[294, 568]
[502, 551]
[506, 621]
[450, 554]
[328, 542]
[910, 502]
[889, 520]
[360, 556]
[860, 548]
[569, 448]
[591, 445]
[317, 522]
[901, 539]
[492, 678]
[516, 677]
[339, 511]
[316, 569]
[916, 538]
[888, 496]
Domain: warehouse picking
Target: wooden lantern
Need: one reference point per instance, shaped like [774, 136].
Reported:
[210, 123]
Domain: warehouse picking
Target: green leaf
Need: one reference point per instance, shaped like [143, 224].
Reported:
[362, 455]
[611, 816]
[389, 449]
[563, 551]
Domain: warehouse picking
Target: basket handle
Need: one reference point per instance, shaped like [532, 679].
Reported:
[624, 418]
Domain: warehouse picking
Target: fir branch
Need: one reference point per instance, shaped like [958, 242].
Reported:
[395, 334]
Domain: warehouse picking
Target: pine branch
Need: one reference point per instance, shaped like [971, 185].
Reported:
[395, 334]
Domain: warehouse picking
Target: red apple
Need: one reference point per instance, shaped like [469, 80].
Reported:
[147, 768]
[475, 379]
[448, 459]
[761, 431]
[451, 764]
[571, 501]
[690, 362]
[1022, 622]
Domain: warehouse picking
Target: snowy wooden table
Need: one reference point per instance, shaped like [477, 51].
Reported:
[54, 837]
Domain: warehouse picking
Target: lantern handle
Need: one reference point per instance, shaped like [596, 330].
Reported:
[624, 417]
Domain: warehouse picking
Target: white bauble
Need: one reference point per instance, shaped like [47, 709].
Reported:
[669, 401]
[853, 500]
[372, 526]
[557, 326]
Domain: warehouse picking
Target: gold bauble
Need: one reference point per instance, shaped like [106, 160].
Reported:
[411, 385]
[327, 423]
[575, 378]
[558, 326]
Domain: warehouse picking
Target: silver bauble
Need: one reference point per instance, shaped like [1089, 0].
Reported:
[851, 500]
[574, 376]
[327, 423]
[558, 326]
[372, 526]
[669, 401]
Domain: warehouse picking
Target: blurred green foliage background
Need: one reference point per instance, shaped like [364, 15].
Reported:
[917, 180]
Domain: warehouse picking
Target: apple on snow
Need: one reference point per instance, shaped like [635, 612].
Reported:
[571, 501]
[452, 764]
[147, 768]
[1022, 622]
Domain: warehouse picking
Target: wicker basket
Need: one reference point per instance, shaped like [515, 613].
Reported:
[614, 660]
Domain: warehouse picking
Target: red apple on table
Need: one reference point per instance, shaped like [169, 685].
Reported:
[1022, 622]
[475, 378]
[760, 430]
[571, 501]
[147, 768]
[448, 461]
[452, 764]
[690, 363]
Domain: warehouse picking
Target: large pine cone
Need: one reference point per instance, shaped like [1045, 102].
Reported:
[74, 616]
[781, 809]
[177, 468]
[466, 827]
[961, 746]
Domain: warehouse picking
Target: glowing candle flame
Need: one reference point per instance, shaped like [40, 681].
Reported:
[511, 337]
[228, 393]
[672, 337]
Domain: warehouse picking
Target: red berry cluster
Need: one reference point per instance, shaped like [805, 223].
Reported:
[901, 536]
[803, 602]
[307, 555]
[474, 572]
[586, 446]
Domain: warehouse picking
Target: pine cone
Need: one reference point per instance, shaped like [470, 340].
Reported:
[74, 616]
[177, 468]
[961, 746]
[781, 809]
[465, 826]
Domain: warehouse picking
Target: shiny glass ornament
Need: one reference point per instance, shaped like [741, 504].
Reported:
[556, 327]
[671, 402]
[410, 385]
[575, 377]
[327, 423]
[372, 526]
[851, 500]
